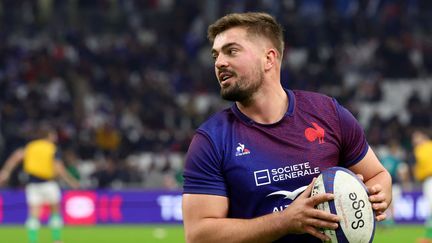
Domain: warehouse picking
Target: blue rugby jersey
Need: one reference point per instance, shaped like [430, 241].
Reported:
[261, 168]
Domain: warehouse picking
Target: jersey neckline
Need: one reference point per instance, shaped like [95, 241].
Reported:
[247, 120]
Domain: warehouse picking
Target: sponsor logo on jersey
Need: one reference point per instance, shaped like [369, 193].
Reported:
[288, 194]
[262, 177]
[241, 150]
[288, 197]
[268, 176]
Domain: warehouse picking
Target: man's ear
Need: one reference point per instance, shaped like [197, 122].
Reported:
[271, 59]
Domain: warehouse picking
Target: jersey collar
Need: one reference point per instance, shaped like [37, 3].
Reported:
[249, 121]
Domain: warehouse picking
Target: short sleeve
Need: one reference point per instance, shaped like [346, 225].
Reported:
[354, 144]
[203, 170]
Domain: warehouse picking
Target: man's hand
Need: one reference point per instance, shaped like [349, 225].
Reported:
[377, 198]
[303, 217]
[4, 177]
[75, 185]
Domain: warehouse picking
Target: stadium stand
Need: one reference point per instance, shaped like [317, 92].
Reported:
[126, 82]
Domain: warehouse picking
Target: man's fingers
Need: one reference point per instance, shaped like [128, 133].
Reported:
[308, 190]
[319, 223]
[375, 189]
[322, 215]
[320, 198]
[380, 197]
[360, 176]
[380, 216]
[313, 231]
[382, 206]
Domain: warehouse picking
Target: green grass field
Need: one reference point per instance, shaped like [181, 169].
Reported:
[167, 234]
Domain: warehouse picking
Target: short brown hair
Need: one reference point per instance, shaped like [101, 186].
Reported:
[43, 131]
[260, 24]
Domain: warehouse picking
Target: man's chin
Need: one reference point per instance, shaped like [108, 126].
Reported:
[227, 97]
[233, 96]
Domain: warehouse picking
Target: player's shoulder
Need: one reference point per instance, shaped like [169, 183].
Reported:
[217, 122]
[41, 143]
[306, 100]
[311, 95]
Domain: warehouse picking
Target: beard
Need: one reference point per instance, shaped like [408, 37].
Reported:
[242, 90]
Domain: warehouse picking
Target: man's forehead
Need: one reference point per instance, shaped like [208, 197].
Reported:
[234, 35]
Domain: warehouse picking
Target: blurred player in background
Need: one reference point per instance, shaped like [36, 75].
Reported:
[249, 169]
[42, 163]
[423, 171]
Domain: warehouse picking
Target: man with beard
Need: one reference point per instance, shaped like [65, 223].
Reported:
[250, 168]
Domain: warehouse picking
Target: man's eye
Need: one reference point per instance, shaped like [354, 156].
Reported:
[232, 51]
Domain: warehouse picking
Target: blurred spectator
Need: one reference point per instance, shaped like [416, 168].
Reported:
[108, 139]
[419, 111]
[160, 174]
[106, 174]
[71, 163]
[394, 161]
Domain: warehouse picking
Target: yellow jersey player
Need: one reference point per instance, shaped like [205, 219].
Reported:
[42, 163]
[423, 172]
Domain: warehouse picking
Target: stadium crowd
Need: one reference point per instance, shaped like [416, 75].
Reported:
[126, 82]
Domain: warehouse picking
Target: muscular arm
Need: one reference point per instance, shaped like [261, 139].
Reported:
[11, 163]
[61, 171]
[205, 220]
[377, 180]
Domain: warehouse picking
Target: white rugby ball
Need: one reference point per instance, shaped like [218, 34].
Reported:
[351, 204]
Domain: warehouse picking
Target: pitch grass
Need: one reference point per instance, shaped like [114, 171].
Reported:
[100, 234]
[167, 234]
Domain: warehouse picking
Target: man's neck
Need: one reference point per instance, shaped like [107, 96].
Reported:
[266, 106]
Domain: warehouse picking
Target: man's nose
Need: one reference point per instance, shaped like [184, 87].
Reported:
[221, 62]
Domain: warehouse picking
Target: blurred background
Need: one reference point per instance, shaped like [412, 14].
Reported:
[126, 82]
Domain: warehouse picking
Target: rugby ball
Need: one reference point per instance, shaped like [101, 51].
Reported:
[351, 204]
